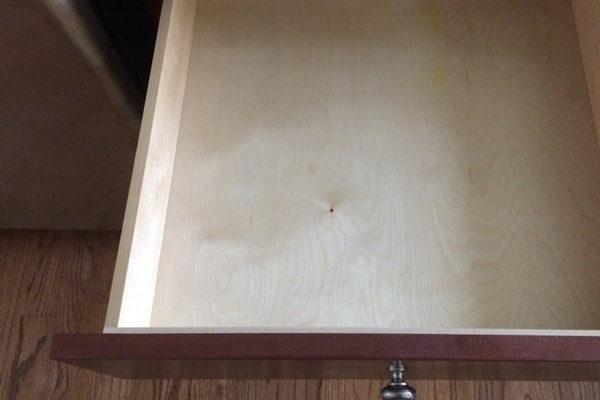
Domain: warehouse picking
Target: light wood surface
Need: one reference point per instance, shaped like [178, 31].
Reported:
[143, 226]
[409, 165]
[587, 13]
[59, 282]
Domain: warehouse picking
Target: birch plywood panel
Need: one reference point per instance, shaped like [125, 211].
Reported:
[586, 14]
[393, 164]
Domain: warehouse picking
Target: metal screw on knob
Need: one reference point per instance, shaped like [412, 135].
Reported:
[398, 389]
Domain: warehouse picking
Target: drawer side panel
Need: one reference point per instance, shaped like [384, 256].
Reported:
[137, 261]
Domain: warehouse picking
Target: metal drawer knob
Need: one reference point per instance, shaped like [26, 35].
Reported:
[398, 389]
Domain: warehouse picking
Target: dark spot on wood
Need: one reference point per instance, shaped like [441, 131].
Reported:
[331, 210]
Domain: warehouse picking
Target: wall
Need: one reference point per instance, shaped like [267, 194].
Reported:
[69, 120]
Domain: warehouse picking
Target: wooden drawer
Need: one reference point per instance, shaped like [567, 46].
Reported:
[324, 186]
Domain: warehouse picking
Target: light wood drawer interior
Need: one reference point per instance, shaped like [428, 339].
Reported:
[357, 165]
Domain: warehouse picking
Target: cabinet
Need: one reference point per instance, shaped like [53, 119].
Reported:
[323, 186]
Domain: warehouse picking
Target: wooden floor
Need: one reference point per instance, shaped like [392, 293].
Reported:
[60, 281]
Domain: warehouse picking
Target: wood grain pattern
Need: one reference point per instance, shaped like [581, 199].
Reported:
[59, 282]
[587, 13]
[410, 165]
[147, 202]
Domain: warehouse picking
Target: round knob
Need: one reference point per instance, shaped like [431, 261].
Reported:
[398, 392]
[398, 389]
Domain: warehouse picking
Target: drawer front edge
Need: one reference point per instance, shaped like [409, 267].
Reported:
[332, 356]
